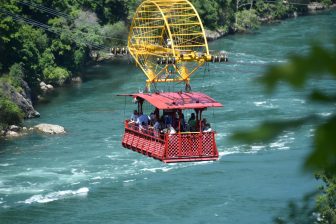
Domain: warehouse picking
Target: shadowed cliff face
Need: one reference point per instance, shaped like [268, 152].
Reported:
[21, 98]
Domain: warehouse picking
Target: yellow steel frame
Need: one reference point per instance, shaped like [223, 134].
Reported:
[168, 29]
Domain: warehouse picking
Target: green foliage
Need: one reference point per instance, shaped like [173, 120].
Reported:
[326, 201]
[326, 3]
[277, 10]
[303, 212]
[79, 57]
[10, 113]
[87, 28]
[47, 59]
[16, 75]
[247, 20]
[117, 34]
[56, 75]
[208, 11]
[132, 6]
[29, 45]
[16, 71]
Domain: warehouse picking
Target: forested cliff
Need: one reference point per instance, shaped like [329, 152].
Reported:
[49, 41]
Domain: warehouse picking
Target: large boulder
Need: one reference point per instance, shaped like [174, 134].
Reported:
[50, 129]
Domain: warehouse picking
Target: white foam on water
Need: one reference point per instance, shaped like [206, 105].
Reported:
[20, 189]
[311, 133]
[261, 62]
[265, 104]
[6, 164]
[128, 181]
[256, 148]
[283, 142]
[299, 101]
[95, 183]
[260, 103]
[54, 196]
[225, 153]
[76, 183]
[279, 145]
[221, 135]
[97, 178]
[325, 114]
[154, 170]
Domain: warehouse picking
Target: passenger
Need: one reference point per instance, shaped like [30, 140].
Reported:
[156, 128]
[152, 119]
[175, 120]
[143, 127]
[192, 122]
[183, 123]
[206, 126]
[168, 119]
[171, 130]
[142, 119]
[134, 116]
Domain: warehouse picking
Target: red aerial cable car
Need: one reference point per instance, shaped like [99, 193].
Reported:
[168, 43]
[182, 146]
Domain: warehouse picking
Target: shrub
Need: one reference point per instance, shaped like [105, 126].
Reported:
[56, 75]
[16, 75]
[10, 113]
[247, 19]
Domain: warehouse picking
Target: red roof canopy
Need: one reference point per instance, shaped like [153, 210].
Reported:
[170, 100]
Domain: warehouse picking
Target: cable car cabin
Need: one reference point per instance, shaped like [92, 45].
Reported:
[165, 135]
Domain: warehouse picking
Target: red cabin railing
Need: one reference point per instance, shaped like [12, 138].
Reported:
[179, 147]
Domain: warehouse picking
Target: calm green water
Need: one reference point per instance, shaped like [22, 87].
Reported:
[87, 177]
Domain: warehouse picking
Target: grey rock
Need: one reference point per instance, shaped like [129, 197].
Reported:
[215, 34]
[13, 134]
[76, 80]
[14, 128]
[50, 129]
[314, 6]
[44, 88]
[50, 87]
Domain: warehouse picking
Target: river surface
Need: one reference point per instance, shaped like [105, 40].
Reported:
[86, 176]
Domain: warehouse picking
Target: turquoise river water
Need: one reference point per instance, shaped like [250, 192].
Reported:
[86, 176]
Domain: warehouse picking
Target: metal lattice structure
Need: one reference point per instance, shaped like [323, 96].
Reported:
[167, 40]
